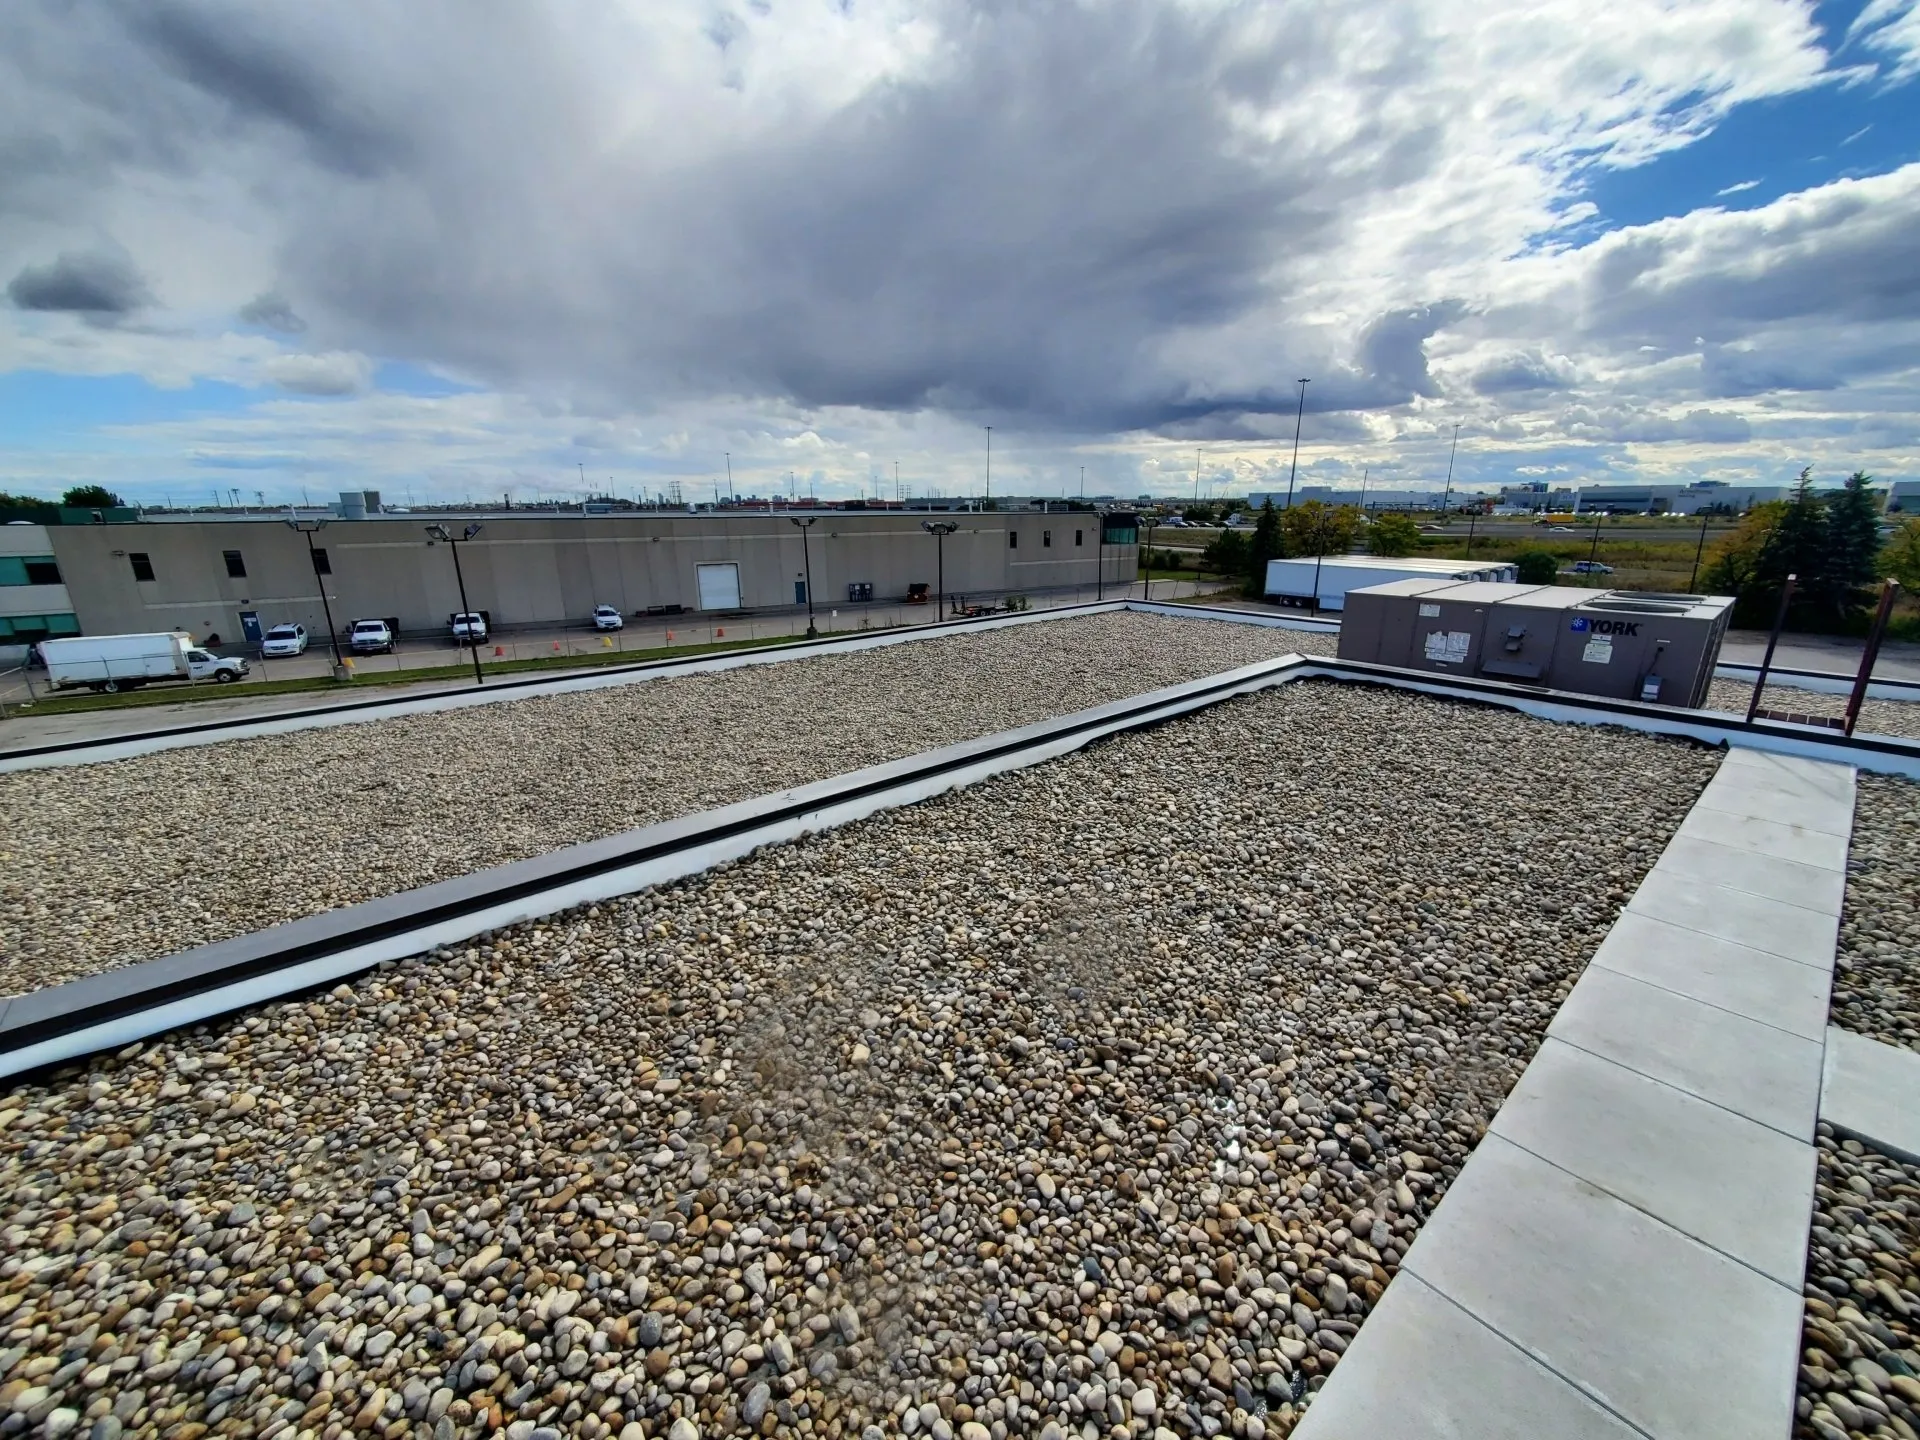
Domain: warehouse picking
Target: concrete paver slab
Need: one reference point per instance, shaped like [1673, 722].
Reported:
[1727, 1181]
[1769, 988]
[1753, 1069]
[1800, 934]
[1776, 804]
[1675, 1337]
[1767, 837]
[1423, 1369]
[1811, 887]
[1871, 1091]
[1792, 772]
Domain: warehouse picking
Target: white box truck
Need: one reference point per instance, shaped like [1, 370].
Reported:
[1293, 582]
[126, 662]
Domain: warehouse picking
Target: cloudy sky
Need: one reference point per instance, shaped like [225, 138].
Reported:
[465, 248]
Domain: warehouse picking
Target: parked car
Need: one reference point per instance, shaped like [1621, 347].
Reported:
[1592, 567]
[469, 628]
[284, 640]
[371, 637]
[605, 617]
[1563, 530]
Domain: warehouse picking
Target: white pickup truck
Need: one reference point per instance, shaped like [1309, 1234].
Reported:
[112, 663]
[370, 637]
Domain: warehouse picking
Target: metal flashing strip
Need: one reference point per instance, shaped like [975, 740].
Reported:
[1824, 682]
[1883, 754]
[513, 687]
[116, 1007]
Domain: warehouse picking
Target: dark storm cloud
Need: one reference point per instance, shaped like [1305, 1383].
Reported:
[226, 52]
[103, 286]
[271, 311]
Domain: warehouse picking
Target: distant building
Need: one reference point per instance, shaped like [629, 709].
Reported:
[1904, 498]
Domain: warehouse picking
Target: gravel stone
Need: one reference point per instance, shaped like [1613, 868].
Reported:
[1876, 983]
[138, 858]
[1859, 1363]
[1323, 914]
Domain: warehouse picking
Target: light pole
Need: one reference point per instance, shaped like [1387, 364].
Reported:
[1146, 571]
[989, 500]
[1698, 551]
[940, 529]
[729, 455]
[1446, 500]
[440, 532]
[1196, 474]
[1100, 552]
[806, 554]
[1299, 415]
[308, 528]
[1593, 550]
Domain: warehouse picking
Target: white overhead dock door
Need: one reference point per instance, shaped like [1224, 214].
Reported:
[719, 586]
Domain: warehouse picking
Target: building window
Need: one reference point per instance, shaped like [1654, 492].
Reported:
[142, 565]
[1046, 539]
[1079, 537]
[321, 564]
[25, 629]
[236, 567]
[29, 570]
[1013, 539]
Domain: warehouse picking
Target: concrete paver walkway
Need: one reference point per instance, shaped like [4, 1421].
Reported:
[1623, 1253]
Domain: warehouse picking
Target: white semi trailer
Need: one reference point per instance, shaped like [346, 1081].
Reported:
[1324, 583]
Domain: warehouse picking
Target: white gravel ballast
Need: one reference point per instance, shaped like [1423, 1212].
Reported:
[126, 860]
[1102, 1098]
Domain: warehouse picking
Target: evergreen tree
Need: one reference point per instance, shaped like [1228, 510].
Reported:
[1853, 548]
[1265, 546]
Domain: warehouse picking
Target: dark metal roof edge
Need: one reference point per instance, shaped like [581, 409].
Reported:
[96, 999]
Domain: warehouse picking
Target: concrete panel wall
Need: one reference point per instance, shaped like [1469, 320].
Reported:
[546, 570]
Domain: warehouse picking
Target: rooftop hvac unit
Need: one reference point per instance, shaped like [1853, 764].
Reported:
[1621, 644]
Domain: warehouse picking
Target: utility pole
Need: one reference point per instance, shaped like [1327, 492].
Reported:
[1446, 500]
[1299, 415]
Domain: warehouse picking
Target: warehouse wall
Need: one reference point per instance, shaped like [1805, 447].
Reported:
[545, 570]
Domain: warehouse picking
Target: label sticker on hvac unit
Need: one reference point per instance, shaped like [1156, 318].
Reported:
[1599, 650]
[1448, 647]
[1429, 612]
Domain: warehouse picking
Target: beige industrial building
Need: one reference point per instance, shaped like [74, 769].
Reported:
[233, 576]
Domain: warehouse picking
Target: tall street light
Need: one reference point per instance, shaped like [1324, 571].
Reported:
[989, 500]
[1146, 571]
[1299, 415]
[806, 554]
[309, 528]
[1446, 500]
[940, 529]
[440, 532]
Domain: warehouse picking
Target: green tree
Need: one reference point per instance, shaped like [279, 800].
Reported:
[1317, 528]
[91, 497]
[1265, 546]
[1900, 558]
[1775, 540]
[1536, 567]
[1853, 547]
[1393, 534]
[1226, 553]
[28, 507]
